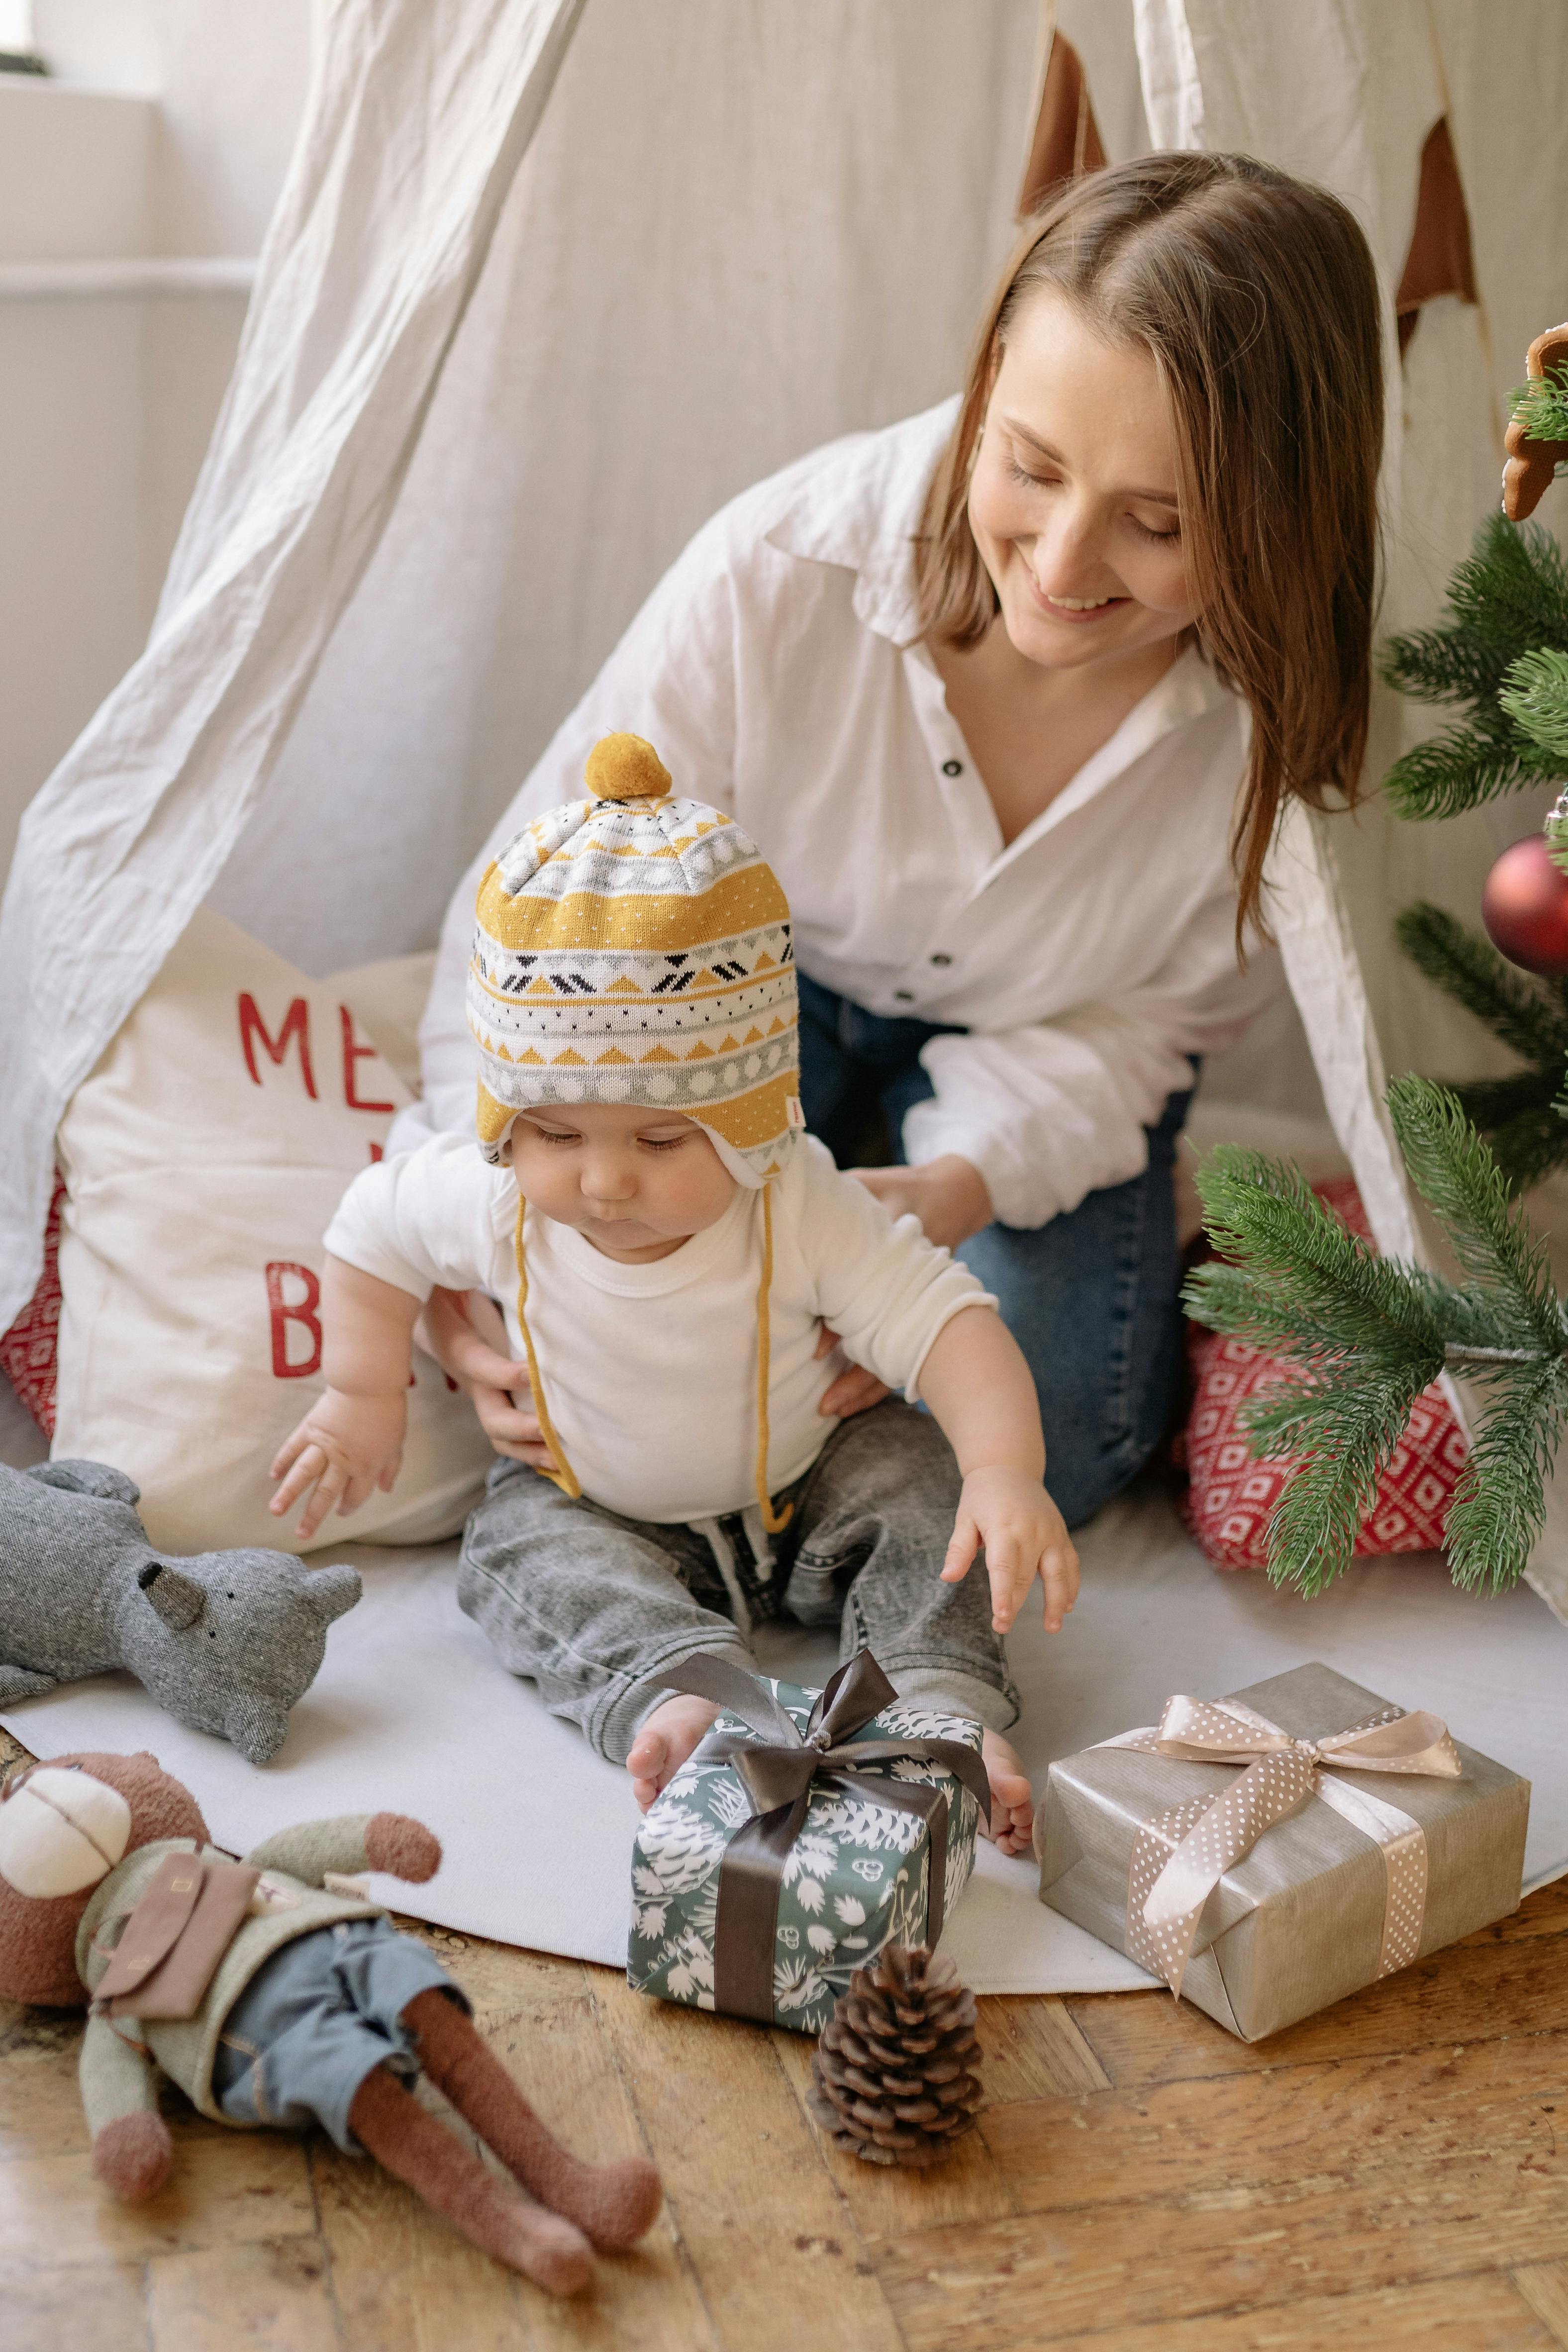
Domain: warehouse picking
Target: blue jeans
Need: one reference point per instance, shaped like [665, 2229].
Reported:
[1091, 1298]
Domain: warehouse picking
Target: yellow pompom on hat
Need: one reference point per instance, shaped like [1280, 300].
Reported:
[634, 948]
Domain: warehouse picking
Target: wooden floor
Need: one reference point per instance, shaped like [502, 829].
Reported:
[1388, 2174]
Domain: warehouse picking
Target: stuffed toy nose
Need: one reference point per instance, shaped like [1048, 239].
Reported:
[61, 1831]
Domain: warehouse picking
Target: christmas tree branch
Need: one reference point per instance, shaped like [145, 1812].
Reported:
[1461, 1181]
[1366, 1335]
[1544, 405]
[1526, 1017]
[1507, 599]
[1521, 1115]
[1500, 1505]
[1534, 695]
[1461, 769]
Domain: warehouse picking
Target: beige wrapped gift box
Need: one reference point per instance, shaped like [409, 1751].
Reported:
[1271, 1852]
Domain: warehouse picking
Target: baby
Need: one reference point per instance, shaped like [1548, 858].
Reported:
[670, 1245]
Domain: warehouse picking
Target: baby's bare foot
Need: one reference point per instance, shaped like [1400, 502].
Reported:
[667, 1738]
[1012, 1819]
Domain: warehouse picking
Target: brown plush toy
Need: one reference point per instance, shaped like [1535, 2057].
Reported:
[272, 1992]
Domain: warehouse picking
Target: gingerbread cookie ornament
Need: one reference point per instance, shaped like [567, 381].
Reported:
[1531, 464]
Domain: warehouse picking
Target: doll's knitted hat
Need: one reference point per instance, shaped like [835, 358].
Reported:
[634, 948]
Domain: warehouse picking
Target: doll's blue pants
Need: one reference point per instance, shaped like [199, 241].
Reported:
[316, 2019]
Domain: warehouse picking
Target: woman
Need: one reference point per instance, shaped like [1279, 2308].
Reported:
[1014, 693]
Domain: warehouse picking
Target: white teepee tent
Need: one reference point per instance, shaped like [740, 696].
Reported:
[548, 280]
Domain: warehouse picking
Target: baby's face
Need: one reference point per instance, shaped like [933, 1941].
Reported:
[635, 1184]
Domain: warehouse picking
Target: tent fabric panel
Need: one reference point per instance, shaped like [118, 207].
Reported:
[742, 231]
[346, 342]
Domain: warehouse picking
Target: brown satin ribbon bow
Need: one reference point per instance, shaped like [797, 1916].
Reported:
[779, 1770]
[1180, 1857]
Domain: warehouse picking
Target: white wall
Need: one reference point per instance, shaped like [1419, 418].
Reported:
[165, 129]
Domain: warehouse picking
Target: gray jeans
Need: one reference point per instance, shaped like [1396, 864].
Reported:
[595, 1607]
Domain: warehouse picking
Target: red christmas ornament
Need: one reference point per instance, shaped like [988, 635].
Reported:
[1524, 906]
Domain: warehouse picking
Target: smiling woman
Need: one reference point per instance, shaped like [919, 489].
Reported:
[1012, 695]
[1175, 408]
[1074, 514]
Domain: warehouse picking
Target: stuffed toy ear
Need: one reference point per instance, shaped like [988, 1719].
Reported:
[86, 1478]
[178, 1598]
[333, 1591]
[256, 1727]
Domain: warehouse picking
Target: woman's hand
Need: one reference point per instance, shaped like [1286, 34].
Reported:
[855, 1390]
[466, 1333]
[346, 1448]
[948, 1195]
[1025, 1535]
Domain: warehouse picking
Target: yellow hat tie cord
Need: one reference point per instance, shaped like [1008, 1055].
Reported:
[564, 1476]
[775, 1521]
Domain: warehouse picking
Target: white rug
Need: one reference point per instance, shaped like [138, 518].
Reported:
[410, 1711]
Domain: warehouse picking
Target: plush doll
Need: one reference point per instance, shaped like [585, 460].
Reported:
[225, 1641]
[273, 1994]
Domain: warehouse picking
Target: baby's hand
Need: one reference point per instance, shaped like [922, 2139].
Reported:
[1025, 1535]
[345, 1447]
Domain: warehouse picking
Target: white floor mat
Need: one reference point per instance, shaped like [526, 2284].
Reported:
[411, 1713]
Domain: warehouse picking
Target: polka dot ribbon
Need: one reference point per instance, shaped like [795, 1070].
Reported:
[1179, 1856]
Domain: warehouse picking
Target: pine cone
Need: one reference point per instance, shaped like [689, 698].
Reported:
[893, 2076]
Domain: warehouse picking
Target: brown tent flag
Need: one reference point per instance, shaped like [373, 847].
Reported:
[1067, 138]
[1438, 261]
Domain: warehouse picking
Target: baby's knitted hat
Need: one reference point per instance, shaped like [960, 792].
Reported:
[633, 948]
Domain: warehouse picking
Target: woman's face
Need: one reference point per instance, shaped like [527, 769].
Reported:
[1073, 497]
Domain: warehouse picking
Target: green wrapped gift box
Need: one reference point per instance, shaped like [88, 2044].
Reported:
[799, 1839]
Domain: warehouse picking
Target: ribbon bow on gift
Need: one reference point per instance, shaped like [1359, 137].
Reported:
[1180, 1857]
[780, 1769]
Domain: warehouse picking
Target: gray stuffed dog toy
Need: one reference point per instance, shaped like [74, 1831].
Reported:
[225, 1641]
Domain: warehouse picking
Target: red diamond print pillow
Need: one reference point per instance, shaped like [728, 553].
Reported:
[27, 1350]
[1232, 1495]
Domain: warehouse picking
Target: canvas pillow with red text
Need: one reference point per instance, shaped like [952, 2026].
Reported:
[202, 1161]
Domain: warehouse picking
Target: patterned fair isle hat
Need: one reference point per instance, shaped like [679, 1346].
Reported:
[634, 948]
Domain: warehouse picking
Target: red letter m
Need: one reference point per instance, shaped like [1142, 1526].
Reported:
[296, 1024]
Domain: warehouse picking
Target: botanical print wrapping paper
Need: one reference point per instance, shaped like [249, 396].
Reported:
[855, 1881]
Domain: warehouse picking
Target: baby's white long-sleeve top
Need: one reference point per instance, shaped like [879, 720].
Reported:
[650, 1371]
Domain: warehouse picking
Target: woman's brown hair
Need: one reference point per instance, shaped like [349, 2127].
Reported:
[1257, 296]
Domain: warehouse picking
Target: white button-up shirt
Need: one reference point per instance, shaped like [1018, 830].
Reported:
[778, 671]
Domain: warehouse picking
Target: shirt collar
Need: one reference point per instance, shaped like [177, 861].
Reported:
[862, 507]
[1188, 690]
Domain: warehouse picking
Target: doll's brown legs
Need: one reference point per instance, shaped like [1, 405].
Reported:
[615, 2203]
[400, 2135]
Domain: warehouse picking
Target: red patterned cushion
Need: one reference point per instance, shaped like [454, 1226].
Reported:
[28, 1348]
[1232, 1495]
